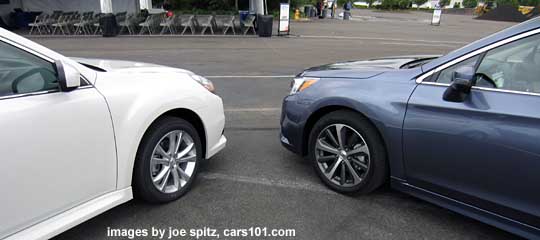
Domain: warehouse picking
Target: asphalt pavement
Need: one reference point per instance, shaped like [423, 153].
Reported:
[255, 182]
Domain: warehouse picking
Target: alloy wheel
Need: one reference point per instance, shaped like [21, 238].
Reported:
[173, 161]
[342, 155]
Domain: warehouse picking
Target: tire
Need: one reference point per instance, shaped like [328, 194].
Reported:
[145, 170]
[368, 162]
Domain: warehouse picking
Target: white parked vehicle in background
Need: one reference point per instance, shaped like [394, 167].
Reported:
[77, 140]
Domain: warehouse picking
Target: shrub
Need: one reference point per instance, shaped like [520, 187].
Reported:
[395, 4]
[513, 3]
[419, 2]
[470, 3]
[444, 3]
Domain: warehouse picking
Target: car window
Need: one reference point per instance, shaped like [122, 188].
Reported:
[514, 66]
[22, 72]
[445, 76]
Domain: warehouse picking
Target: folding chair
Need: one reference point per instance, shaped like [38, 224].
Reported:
[128, 23]
[62, 24]
[38, 24]
[249, 23]
[206, 22]
[152, 22]
[167, 25]
[95, 23]
[83, 26]
[228, 23]
[188, 22]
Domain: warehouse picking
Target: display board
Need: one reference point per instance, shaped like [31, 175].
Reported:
[284, 19]
[436, 19]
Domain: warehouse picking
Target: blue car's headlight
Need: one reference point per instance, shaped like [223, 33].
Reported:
[301, 83]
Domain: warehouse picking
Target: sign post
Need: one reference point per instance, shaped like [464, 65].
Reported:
[284, 19]
[436, 19]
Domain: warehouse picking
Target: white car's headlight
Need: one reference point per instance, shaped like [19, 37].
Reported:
[204, 82]
[301, 83]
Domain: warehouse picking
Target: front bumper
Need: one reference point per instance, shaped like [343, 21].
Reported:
[220, 145]
[292, 125]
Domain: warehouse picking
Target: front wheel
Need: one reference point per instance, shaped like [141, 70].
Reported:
[167, 160]
[347, 153]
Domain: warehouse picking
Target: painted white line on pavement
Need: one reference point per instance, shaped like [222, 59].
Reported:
[255, 76]
[268, 182]
[382, 39]
[252, 109]
[420, 44]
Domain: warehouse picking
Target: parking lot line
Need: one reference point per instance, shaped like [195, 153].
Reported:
[380, 39]
[268, 182]
[420, 44]
[255, 76]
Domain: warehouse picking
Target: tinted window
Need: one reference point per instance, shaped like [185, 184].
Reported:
[514, 66]
[22, 72]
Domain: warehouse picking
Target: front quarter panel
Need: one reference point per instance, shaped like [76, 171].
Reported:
[136, 100]
[382, 99]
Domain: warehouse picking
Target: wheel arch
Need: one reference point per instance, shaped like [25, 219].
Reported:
[322, 111]
[189, 116]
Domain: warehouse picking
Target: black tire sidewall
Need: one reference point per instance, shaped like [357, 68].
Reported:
[142, 181]
[377, 173]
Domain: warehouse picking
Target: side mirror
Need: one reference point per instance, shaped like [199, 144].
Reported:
[69, 77]
[462, 80]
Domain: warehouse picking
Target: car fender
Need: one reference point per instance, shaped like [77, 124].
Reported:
[382, 100]
[136, 101]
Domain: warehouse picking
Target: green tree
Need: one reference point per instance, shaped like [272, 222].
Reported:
[470, 3]
[419, 2]
[533, 3]
[444, 3]
[513, 3]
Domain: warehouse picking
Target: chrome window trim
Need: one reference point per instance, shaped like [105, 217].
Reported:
[422, 77]
[485, 89]
[40, 93]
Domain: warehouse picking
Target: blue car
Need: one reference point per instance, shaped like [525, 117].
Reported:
[461, 131]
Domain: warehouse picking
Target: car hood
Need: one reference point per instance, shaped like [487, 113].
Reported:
[106, 65]
[365, 68]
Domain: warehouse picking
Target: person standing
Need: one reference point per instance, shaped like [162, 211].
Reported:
[319, 8]
[347, 10]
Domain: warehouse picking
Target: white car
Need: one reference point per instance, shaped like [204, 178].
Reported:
[77, 140]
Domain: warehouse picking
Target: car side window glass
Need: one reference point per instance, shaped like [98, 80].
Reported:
[514, 66]
[445, 76]
[22, 72]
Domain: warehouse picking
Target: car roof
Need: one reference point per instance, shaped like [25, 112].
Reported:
[496, 37]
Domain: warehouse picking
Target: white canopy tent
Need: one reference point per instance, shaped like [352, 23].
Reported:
[104, 6]
[258, 6]
[48, 6]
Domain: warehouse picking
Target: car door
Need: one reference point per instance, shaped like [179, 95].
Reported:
[485, 150]
[57, 148]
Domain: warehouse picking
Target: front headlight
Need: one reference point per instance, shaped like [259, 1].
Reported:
[301, 83]
[204, 82]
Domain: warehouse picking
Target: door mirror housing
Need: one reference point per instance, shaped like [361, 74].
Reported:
[462, 81]
[69, 77]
